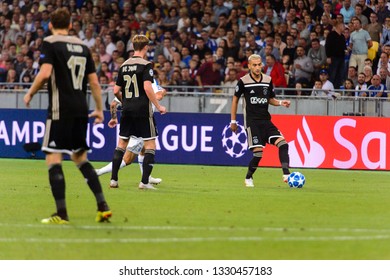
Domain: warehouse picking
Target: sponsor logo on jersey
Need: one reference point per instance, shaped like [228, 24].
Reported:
[258, 100]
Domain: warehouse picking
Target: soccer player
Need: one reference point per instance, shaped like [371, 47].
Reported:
[135, 145]
[258, 92]
[67, 65]
[134, 90]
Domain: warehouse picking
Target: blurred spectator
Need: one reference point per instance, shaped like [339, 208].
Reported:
[383, 62]
[385, 78]
[327, 85]
[28, 70]
[302, 68]
[315, 10]
[347, 11]
[348, 86]
[230, 81]
[335, 48]
[171, 20]
[352, 74]
[6, 33]
[275, 69]
[374, 28]
[317, 55]
[385, 38]
[317, 89]
[366, 10]
[376, 89]
[89, 40]
[367, 70]
[382, 11]
[11, 81]
[361, 85]
[209, 73]
[359, 15]
[186, 80]
[201, 49]
[104, 56]
[359, 44]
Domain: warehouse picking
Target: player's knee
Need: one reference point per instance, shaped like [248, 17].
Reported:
[282, 144]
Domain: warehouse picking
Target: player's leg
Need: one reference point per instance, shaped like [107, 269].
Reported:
[55, 142]
[148, 163]
[57, 184]
[141, 156]
[85, 167]
[128, 158]
[284, 158]
[252, 166]
[255, 144]
[116, 162]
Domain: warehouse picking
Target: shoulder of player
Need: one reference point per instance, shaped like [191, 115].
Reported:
[65, 39]
[136, 60]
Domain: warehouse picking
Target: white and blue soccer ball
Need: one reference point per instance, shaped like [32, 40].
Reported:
[234, 144]
[296, 180]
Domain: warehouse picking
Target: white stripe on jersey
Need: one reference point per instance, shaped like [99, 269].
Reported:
[255, 85]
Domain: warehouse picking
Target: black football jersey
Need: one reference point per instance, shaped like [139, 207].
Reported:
[256, 96]
[67, 85]
[131, 76]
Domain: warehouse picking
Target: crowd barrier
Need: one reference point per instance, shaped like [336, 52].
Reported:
[218, 99]
[339, 142]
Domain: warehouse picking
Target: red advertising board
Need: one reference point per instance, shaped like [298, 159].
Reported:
[333, 142]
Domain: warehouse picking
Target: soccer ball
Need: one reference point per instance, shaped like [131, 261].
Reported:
[235, 145]
[296, 180]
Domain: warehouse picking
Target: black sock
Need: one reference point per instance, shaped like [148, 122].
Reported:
[116, 162]
[284, 158]
[147, 165]
[253, 164]
[57, 183]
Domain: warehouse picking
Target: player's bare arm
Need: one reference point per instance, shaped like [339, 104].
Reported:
[275, 102]
[152, 97]
[41, 78]
[233, 114]
[97, 96]
[114, 113]
[161, 94]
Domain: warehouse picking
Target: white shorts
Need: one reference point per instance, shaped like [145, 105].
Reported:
[135, 145]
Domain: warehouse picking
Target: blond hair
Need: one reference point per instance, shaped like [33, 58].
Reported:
[139, 42]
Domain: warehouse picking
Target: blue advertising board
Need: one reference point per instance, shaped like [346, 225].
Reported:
[184, 138]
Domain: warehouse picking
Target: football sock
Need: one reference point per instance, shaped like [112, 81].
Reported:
[57, 183]
[253, 164]
[108, 167]
[284, 157]
[147, 165]
[141, 162]
[116, 162]
[92, 180]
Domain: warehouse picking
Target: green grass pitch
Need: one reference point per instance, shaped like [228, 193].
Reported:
[198, 213]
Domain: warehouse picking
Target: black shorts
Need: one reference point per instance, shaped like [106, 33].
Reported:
[65, 135]
[143, 127]
[261, 132]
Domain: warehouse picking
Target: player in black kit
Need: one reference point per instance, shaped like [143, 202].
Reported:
[134, 89]
[67, 66]
[258, 92]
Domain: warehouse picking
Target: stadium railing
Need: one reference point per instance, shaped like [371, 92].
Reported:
[217, 99]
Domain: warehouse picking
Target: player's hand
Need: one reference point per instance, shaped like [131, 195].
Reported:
[98, 115]
[233, 127]
[112, 123]
[162, 110]
[27, 99]
[286, 103]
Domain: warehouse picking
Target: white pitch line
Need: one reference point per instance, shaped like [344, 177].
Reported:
[194, 228]
[191, 239]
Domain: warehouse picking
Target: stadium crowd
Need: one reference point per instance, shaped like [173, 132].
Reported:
[321, 45]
